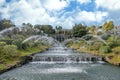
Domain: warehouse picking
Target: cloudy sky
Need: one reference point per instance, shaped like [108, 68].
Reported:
[61, 12]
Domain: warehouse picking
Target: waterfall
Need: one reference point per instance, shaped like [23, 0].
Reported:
[66, 59]
[60, 54]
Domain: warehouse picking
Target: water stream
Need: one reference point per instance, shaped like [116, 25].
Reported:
[67, 67]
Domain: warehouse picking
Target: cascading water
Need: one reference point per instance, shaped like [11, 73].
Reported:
[17, 30]
[58, 64]
[44, 39]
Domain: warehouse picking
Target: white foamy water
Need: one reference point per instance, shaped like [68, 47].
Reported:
[63, 70]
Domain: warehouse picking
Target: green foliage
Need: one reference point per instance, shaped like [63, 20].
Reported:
[79, 30]
[18, 40]
[108, 26]
[48, 29]
[6, 24]
[69, 43]
[116, 49]
[92, 29]
[104, 49]
[31, 44]
[2, 44]
[2, 66]
[59, 28]
[9, 51]
[25, 46]
[96, 45]
[112, 44]
[82, 43]
[111, 38]
[118, 41]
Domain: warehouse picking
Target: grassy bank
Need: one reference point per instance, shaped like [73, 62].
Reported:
[111, 57]
[33, 50]
[7, 63]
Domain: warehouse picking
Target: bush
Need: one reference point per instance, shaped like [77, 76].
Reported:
[112, 44]
[104, 49]
[96, 45]
[116, 49]
[2, 43]
[111, 38]
[24, 46]
[32, 44]
[9, 51]
[118, 41]
[69, 43]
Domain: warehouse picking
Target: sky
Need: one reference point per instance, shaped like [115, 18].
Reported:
[63, 13]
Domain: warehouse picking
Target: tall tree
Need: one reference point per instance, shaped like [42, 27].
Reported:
[108, 26]
[79, 30]
[48, 29]
[92, 29]
[6, 24]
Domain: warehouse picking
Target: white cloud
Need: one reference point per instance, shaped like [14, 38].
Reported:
[35, 12]
[48, 12]
[108, 4]
[28, 11]
[67, 23]
[4, 10]
[112, 7]
[2, 2]
[89, 17]
[84, 1]
[55, 4]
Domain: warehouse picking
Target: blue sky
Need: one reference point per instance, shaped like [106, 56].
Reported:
[65, 13]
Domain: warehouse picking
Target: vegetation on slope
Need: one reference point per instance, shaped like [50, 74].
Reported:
[103, 41]
[12, 50]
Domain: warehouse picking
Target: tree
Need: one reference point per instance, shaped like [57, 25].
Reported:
[108, 26]
[79, 30]
[92, 29]
[59, 29]
[48, 29]
[6, 24]
[29, 25]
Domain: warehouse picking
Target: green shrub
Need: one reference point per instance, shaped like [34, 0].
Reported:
[104, 49]
[24, 46]
[17, 43]
[116, 49]
[69, 44]
[2, 43]
[96, 45]
[9, 51]
[111, 38]
[82, 43]
[112, 44]
[118, 41]
[32, 44]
